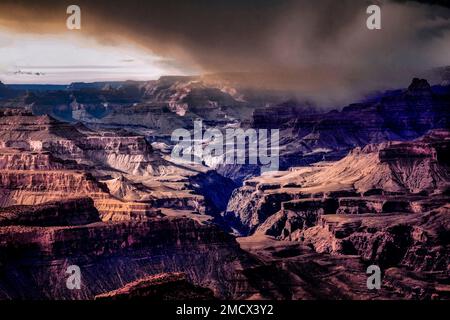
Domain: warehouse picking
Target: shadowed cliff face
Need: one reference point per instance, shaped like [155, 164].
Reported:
[76, 211]
[165, 286]
[33, 260]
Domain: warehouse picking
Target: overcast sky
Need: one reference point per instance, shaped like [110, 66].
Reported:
[320, 48]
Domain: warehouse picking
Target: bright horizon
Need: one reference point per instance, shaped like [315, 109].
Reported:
[61, 59]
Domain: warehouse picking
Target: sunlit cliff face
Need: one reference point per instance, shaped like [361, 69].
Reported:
[319, 49]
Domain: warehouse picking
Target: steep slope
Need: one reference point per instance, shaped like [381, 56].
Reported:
[165, 286]
[34, 259]
[377, 178]
[400, 115]
[385, 204]
[43, 159]
[415, 241]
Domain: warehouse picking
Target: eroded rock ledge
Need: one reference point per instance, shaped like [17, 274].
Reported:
[61, 213]
[387, 204]
[164, 286]
[33, 260]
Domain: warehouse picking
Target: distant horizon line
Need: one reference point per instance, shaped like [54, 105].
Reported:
[224, 74]
[87, 82]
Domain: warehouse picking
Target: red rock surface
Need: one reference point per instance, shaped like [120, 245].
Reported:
[109, 202]
[43, 159]
[111, 254]
[390, 177]
[386, 204]
[164, 286]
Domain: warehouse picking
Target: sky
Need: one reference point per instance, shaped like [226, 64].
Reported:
[67, 57]
[320, 49]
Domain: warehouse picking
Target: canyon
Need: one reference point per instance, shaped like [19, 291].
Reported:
[86, 179]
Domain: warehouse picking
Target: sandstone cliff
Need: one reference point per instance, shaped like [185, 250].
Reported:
[43, 159]
[390, 177]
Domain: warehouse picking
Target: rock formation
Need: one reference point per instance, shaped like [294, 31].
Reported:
[389, 177]
[165, 286]
[386, 203]
[366, 185]
[43, 159]
[34, 259]
[310, 136]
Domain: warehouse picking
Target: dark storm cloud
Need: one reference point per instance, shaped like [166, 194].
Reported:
[318, 48]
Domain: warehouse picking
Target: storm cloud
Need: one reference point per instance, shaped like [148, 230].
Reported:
[319, 49]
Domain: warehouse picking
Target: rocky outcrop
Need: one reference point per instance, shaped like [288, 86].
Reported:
[415, 241]
[402, 115]
[111, 254]
[297, 215]
[62, 213]
[304, 274]
[14, 160]
[373, 205]
[35, 187]
[248, 208]
[165, 286]
[43, 159]
[385, 178]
